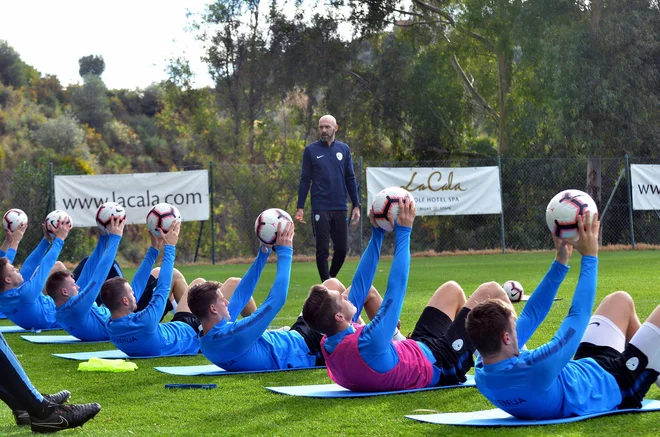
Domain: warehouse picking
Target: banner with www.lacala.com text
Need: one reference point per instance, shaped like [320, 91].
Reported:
[645, 181]
[442, 191]
[81, 196]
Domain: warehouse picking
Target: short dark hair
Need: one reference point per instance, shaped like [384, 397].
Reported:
[486, 323]
[55, 282]
[4, 261]
[201, 297]
[112, 292]
[319, 310]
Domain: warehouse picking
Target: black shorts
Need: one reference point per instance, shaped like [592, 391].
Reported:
[189, 319]
[312, 339]
[633, 383]
[448, 342]
[148, 293]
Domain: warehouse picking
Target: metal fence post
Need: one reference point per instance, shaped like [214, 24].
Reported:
[361, 209]
[630, 214]
[51, 189]
[499, 166]
[211, 189]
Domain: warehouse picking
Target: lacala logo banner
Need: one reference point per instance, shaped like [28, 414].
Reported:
[645, 186]
[81, 196]
[442, 191]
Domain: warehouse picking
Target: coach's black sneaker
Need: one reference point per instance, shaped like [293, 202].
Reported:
[58, 398]
[65, 417]
[22, 417]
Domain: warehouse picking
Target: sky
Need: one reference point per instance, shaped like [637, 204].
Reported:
[135, 38]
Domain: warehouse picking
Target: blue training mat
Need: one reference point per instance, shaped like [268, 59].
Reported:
[497, 417]
[336, 391]
[57, 339]
[110, 354]
[213, 370]
[9, 329]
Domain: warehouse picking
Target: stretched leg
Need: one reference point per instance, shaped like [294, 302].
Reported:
[228, 289]
[619, 308]
[647, 340]
[321, 230]
[448, 298]
[339, 235]
[488, 290]
[179, 287]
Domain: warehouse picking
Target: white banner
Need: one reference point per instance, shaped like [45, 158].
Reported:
[442, 191]
[645, 186]
[81, 196]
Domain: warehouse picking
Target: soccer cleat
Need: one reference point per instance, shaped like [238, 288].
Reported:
[58, 398]
[22, 417]
[65, 417]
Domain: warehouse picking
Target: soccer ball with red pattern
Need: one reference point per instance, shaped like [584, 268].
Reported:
[514, 290]
[265, 226]
[54, 219]
[385, 207]
[106, 212]
[13, 219]
[563, 210]
[162, 216]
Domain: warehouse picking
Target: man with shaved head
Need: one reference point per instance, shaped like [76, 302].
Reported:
[327, 167]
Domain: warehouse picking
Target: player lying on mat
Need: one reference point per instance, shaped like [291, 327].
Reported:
[366, 358]
[142, 334]
[21, 297]
[246, 344]
[591, 365]
[77, 311]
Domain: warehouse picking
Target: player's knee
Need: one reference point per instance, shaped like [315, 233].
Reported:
[621, 299]
[451, 289]
[197, 281]
[334, 284]
[177, 275]
[58, 267]
[490, 290]
[155, 272]
[373, 293]
[231, 282]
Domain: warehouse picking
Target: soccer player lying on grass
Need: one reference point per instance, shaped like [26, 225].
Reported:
[21, 299]
[246, 344]
[77, 311]
[142, 334]
[591, 365]
[44, 412]
[366, 358]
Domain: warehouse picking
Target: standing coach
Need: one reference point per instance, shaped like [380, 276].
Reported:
[328, 167]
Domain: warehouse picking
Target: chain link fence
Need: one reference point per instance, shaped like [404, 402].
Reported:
[240, 192]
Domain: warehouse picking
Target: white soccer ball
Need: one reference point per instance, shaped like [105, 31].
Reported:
[265, 226]
[385, 206]
[563, 210]
[514, 290]
[162, 215]
[54, 218]
[13, 219]
[106, 212]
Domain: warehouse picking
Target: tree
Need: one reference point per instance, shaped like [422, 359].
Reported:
[62, 134]
[12, 71]
[91, 64]
[91, 102]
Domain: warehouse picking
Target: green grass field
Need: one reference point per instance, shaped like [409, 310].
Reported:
[137, 404]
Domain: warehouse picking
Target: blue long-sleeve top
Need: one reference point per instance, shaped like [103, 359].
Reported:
[26, 305]
[141, 334]
[139, 282]
[328, 169]
[10, 254]
[375, 341]
[545, 382]
[80, 316]
[245, 344]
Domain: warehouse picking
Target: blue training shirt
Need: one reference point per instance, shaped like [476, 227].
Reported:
[545, 383]
[80, 316]
[245, 344]
[26, 305]
[329, 171]
[375, 341]
[141, 334]
[10, 254]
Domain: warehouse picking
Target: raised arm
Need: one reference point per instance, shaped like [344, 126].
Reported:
[553, 356]
[11, 242]
[540, 302]
[246, 286]
[378, 333]
[248, 330]
[151, 315]
[92, 262]
[143, 272]
[32, 261]
[366, 269]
